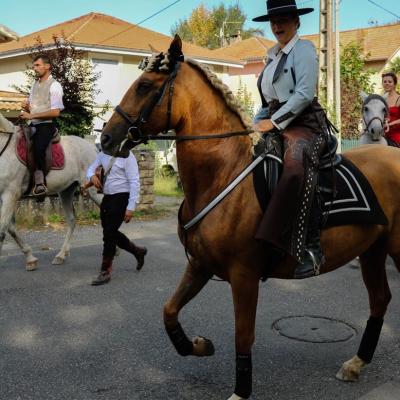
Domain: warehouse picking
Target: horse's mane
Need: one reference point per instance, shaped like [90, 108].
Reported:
[163, 62]
[227, 95]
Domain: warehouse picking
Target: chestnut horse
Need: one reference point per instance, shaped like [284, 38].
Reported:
[184, 96]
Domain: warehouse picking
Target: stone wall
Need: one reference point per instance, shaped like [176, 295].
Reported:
[146, 162]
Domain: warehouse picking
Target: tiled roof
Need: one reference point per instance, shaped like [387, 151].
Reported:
[11, 101]
[252, 49]
[103, 31]
[380, 41]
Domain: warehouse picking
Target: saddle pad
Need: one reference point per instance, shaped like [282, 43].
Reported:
[355, 201]
[57, 151]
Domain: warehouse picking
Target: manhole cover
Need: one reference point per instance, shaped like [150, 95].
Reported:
[314, 329]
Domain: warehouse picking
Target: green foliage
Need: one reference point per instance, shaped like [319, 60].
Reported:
[394, 66]
[167, 186]
[78, 79]
[354, 78]
[204, 27]
[245, 99]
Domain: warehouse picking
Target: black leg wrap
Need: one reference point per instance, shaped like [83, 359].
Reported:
[178, 337]
[370, 339]
[243, 386]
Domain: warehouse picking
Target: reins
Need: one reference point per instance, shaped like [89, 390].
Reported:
[7, 143]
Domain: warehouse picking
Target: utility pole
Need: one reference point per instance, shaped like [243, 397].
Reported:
[326, 53]
[337, 75]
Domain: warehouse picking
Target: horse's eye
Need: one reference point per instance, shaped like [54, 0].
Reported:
[144, 87]
[366, 109]
[384, 110]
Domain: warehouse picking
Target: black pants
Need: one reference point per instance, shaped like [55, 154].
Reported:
[41, 139]
[112, 213]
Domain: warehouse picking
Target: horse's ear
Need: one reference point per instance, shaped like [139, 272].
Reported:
[152, 49]
[363, 95]
[175, 49]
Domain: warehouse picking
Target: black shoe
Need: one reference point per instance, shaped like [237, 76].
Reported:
[142, 251]
[103, 278]
[313, 259]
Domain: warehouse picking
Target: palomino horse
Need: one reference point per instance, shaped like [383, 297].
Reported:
[187, 97]
[14, 179]
[374, 113]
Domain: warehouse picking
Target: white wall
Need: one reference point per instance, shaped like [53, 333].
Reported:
[12, 71]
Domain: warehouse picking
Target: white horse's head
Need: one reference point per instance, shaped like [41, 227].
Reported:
[6, 125]
[375, 112]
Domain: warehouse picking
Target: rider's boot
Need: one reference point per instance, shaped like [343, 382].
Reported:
[139, 253]
[313, 258]
[40, 189]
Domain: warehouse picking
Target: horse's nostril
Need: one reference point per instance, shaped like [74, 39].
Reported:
[106, 139]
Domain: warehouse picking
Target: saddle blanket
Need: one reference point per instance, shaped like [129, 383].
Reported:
[57, 152]
[355, 201]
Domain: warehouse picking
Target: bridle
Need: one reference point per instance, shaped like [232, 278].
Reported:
[381, 120]
[135, 133]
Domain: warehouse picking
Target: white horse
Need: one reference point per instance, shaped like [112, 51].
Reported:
[374, 113]
[14, 180]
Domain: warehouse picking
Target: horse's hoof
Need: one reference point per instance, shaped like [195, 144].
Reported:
[58, 261]
[202, 347]
[235, 397]
[350, 370]
[31, 265]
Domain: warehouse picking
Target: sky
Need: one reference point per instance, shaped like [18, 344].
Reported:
[24, 17]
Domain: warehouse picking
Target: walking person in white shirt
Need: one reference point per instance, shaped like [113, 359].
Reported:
[121, 192]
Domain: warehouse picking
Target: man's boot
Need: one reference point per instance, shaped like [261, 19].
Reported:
[105, 273]
[313, 258]
[139, 253]
[40, 189]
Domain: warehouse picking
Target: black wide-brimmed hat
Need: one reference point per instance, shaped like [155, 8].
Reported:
[279, 7]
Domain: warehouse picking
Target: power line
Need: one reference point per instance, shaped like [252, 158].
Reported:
[385, 9]
[141, 22]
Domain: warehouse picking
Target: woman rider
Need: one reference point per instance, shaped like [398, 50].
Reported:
[287, 86]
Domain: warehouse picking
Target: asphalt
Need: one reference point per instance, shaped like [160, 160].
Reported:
[61, 338]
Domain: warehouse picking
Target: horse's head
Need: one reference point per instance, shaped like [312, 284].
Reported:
[146, 107]
[375, 112]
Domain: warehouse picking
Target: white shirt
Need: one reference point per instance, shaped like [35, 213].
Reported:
[56, 95]
[123, 177]
[275, 54]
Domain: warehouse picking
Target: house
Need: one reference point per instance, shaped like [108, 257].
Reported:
[115, 47]
[6, 34]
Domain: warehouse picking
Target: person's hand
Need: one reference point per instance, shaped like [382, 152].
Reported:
[25, 105]
[264, 125]
[96, 181]
[128, 215]
[387, 126]
[25, 115]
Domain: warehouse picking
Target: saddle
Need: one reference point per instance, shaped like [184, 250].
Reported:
[55, 158]
[344, 194]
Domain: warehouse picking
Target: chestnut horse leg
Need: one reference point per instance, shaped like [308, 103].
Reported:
[245, 297]
[375, 279]
[194, 279]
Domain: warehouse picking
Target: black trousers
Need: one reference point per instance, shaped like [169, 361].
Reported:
[112, 213]
[41, 139]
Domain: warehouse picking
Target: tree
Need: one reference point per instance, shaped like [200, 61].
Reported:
[205, 27]
[245, 99]
[78, 79]
[354, 79]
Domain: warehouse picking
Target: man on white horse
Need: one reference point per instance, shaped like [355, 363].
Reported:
[45, 103]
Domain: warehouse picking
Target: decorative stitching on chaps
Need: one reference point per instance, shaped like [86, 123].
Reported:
[311, 161]
[178, 337]
[243, 387]
[370, 339]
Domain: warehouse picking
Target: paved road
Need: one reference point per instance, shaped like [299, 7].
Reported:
[60, 338]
